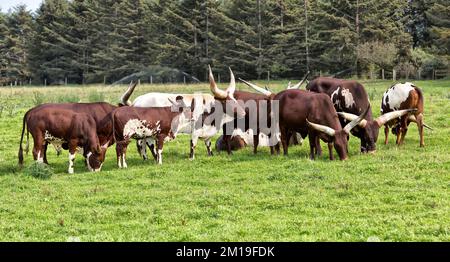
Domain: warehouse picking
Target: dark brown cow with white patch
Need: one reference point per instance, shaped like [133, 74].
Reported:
[159, 123]
[350, 99]
[73, 131]
[398, 97]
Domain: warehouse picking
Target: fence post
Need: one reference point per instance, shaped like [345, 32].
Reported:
[218, 77]
[151, 79]
[45, 82]
[419, 74]
[104, 80]
[434, 74]
[394, 77]
[65, 81]
[268, 76]
[30, 81]
[382, 73]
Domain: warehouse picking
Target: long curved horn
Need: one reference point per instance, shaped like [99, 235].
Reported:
[257, 88]
[356, 121]
[232, 87]
[383, 119]
[321, 128]
[124, 99]
[412, 118]
[351, 117]
[213, 86]
[297, 86]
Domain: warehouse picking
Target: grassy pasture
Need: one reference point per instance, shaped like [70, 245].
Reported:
[398, 194]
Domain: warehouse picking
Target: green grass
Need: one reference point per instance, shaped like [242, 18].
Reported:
[398, 194]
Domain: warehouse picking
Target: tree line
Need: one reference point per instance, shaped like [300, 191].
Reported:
[94, 41]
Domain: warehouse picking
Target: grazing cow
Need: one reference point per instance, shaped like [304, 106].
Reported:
[349, 99]
[403, 96]
[159, 123]
[71, 130]
[204, 125]
[314, 115]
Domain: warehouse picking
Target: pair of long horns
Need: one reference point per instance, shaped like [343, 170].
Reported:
[218, 92]
[124, 100]
[383, 119]
[266, 92]
[331, 132]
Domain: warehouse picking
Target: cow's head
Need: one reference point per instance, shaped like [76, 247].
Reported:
[339, 137]
[371, 128]
[226, 98]
[95, 156]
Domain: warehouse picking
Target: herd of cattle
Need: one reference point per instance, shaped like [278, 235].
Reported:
[329, 109]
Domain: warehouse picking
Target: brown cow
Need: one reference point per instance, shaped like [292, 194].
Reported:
[71, 130]
[159, 123]
[313, 114]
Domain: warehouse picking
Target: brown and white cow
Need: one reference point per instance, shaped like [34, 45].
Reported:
[398, 97]
[73, 131]
[159, 123]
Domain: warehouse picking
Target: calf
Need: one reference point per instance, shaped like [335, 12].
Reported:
[403, 96]
[159, 123]
[314, 115]
[49, 124]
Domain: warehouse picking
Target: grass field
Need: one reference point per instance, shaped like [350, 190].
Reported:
[398, 194]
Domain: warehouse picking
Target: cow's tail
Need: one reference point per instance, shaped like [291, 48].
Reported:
[20, 154]
[420, 106]
[113, 116]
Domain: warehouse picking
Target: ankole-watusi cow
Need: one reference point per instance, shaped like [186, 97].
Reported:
[223, 106]
[403, 96]
[159, 123]
[350, 99]
[295, 138]
[50, 124]
[314, 115]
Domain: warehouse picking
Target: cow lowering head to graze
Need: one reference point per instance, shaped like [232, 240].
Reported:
[255, 105]
[73, 131]
[314, 115]
[209, 115]
[399, 97]
[350, 99]
[159, 123]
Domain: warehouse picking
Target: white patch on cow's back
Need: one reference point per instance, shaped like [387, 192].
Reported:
[397, 94]
[139, 129]
[348, 98]
[335, 93]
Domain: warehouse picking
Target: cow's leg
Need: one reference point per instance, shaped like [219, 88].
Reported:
[386, 134]
[38, 148]
[121, 149]
[312, 145]
[284, 141]
[194, 141]
[160, 143]
[151, 145]
[420, 127]
[45, 152]
[124, 154]
[255, 143]
[317, 147]
[404, 129]
[142, 148]
[227, 141]
[72, 153]
[119, 154]
[288, 137]
[208, 146]
[330, 151]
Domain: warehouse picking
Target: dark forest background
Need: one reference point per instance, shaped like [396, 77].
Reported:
[96, 41]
